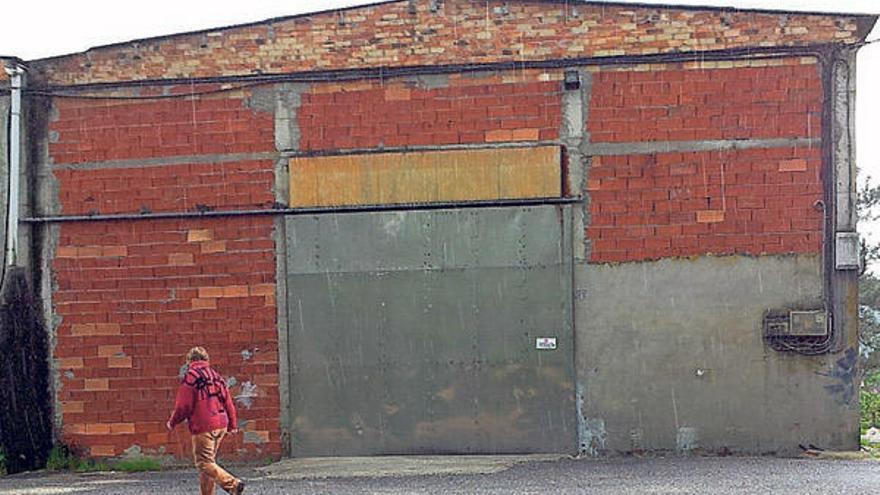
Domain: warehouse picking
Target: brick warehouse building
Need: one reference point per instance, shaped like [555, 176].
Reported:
[441, 226]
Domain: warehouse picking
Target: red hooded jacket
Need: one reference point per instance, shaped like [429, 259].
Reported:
[203, 400]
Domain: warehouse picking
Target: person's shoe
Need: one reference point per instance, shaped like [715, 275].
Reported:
[239, 488]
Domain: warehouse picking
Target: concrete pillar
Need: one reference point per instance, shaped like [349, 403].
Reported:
[844, 240]
[576, 140]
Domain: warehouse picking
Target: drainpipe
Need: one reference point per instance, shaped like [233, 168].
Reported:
[16, 79]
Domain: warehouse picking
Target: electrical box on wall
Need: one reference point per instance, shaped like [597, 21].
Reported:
[808, 323]
[847, 251]
[812, 323]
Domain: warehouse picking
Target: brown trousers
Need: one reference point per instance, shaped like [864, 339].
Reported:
[205, 447]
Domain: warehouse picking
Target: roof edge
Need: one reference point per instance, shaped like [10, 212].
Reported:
[868, 19]
[866, 24]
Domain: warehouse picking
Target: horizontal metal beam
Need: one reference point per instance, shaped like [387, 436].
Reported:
[452, 205]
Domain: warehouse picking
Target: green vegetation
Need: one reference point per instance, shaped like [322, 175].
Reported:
[869, 312]
[2, 463]
[870, 402]
[62, 458]
[137, 465]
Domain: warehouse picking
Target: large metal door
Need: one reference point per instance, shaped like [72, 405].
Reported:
[415, 332]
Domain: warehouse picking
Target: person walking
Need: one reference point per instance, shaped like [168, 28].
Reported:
[203, 401]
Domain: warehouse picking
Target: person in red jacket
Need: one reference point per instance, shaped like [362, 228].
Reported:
[204, 402]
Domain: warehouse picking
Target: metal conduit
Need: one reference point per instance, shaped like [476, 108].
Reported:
[317, 210]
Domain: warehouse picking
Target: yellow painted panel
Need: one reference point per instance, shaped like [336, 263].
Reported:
[426, 176]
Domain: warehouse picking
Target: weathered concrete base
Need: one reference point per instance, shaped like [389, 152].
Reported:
[671, 357]
[397, 466]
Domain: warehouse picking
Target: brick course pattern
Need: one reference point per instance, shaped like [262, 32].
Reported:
[98, 130]
[723, 202]
[229, 185]
[457, 32]
[752, 202]
[683, 105]
[469, 111]
[133, 297]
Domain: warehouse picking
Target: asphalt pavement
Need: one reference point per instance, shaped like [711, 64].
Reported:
[672, 475]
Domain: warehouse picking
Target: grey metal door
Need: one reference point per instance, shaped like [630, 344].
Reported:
[415, 332]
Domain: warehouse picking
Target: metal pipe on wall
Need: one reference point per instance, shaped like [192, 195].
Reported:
[317, 210]
[16, 79]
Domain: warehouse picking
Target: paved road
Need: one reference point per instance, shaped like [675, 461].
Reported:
[729, 475]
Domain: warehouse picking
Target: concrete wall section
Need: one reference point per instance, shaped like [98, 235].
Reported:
[670, 348]
[673, 358]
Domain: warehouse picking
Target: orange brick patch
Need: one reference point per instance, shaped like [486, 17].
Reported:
[235, 291]
[263, 290]
[72, 406]
[98, 429]
[793, 166]
[109, 350]
[710, 216]
[119, 362]
[91, 251]
[208, 292]
[525, 135]
[71, 363]
[121, 428]
[198, 235]
[96, 384]
[397, 94]
[214, 247]
[199, 303]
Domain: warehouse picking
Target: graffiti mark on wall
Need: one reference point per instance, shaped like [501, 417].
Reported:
[843, 373]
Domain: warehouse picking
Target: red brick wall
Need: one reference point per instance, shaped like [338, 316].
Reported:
[758, 201]
[229, 185]
[682, 204]
[468, 111]
[98, 130]
[736, 103]
[133, 297]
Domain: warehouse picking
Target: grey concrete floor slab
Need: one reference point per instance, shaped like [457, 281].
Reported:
[731, 475]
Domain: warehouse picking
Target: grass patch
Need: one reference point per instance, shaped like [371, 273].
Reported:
[137, 465]
[2, 463]
[61, 458]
